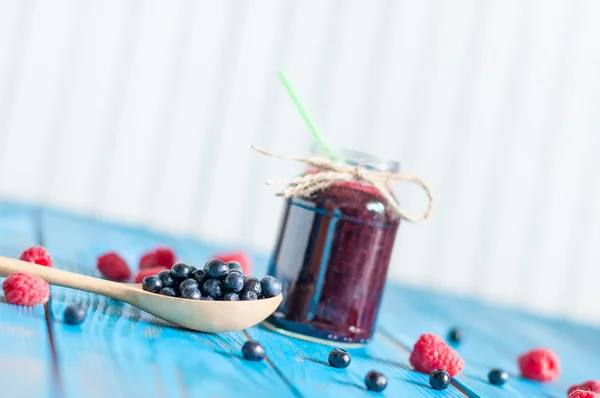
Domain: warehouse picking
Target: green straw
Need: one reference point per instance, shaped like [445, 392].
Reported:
[316, 133]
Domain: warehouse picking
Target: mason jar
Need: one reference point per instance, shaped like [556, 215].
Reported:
[332, 255]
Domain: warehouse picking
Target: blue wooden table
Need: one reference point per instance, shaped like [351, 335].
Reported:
[120, 351]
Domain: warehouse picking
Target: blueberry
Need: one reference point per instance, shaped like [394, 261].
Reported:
[339, 358]
[252, 284]
[191, 292]
[497, 377]
[188, 282]
[235, 266]
[247, 295]
[166, 278]
[455, 335]
[168, 291]
[216, 269]
[181, 271]
[231, 297]
[152, 284]
[194, 269]
[439, 379]
[270, 286]
[75, 314]
[200, 276]
[213, 288]
[375, 381]
[253, 351]
[234, 282]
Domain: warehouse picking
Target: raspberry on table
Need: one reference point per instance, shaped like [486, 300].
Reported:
[165, 257]
[583, 394]
[26, 289]
[160, 257]
[37, 255]
[113, 267]
[148, 260]
[591, 385]
[148, 272]
[431, 352]
[540, 364]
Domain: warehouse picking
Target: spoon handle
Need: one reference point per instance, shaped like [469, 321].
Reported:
[64, 278]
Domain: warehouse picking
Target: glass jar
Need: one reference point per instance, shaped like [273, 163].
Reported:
[332, 256]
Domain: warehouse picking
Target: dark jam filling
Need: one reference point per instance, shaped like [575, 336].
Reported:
[332, 258]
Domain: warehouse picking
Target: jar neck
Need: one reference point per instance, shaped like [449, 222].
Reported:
[359, 159]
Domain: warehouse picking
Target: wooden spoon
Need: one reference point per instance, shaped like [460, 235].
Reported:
[203, 316]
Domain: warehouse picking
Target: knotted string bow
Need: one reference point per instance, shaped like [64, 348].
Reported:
[329, 173]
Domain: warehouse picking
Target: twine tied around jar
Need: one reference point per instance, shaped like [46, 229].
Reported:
[332, 172]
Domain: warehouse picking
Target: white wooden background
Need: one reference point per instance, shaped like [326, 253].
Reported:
[145, 111]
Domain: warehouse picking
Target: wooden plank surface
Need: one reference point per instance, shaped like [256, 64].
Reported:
[137, 354]
[25, 355]
[495, 336]
[120, 351]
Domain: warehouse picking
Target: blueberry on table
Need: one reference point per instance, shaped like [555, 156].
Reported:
[270, 286]
[235, 266]
[439, 379]
[252, 284]
[497, 377]
[375, 381]
[191, 292]
[152, 284]
[188, 282]
[231, 297]
[166, 278]
[253, 351]
[455, 335]
[339, 358]
[213, 288]
[234, 282]
[248, 295]
[75, 314]
[200, 276]
[181, 271]
[216, 269]
[194, 269]
[168, 291]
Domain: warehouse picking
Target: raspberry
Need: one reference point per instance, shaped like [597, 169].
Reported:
[591, 385]
[112, 266]
[147, 272]
[161, 256]
[239, 256]
[540, 364]
[148, 260]
[583, 394]
[165, 257]
[26, 289]
[37, 255]
[431, 352]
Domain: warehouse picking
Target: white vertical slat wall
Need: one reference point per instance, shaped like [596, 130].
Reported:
[144, 111]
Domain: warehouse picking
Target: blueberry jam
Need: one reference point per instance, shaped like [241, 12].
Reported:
[332, 258]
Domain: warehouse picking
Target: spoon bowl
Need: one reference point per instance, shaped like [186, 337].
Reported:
[200, 315]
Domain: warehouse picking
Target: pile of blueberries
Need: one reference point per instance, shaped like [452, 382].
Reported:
[217, 281]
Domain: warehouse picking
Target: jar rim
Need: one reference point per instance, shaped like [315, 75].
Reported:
[361, 159]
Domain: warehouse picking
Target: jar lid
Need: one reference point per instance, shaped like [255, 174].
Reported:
[361, 159]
